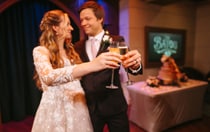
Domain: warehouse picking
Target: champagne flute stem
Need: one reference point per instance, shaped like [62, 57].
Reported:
[112, 80]
[128, 76]
[129, 82]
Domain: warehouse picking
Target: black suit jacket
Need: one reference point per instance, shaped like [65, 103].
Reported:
[100, 100]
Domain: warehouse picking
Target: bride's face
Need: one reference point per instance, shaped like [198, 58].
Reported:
[65, 28]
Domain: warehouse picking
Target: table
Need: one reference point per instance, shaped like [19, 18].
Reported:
[156, 109]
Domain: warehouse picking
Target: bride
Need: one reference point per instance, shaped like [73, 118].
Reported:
[57, 72]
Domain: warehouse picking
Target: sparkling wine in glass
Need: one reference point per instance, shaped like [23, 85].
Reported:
[123, 48]
[113, 48]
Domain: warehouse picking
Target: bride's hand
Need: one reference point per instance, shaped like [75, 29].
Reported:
[107, 60]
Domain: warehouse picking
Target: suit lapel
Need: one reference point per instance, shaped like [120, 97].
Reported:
[80, 47]
[103, 46]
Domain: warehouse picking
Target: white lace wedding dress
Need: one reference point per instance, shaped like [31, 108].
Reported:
[62, 107]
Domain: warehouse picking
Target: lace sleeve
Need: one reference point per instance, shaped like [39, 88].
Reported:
[46, 73]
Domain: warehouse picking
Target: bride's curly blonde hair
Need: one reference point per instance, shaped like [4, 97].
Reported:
[48, 39]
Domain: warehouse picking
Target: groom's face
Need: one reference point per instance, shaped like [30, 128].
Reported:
[90, 23]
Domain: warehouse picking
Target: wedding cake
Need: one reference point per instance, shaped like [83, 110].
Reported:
[169, 72]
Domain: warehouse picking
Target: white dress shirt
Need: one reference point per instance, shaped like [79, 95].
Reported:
[97, 43]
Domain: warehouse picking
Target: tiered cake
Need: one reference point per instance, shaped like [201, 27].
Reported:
[169, 72]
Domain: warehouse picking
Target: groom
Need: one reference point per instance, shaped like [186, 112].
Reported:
[106, 106]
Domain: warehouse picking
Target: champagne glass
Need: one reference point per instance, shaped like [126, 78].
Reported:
[113, 48]
[123, 50]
